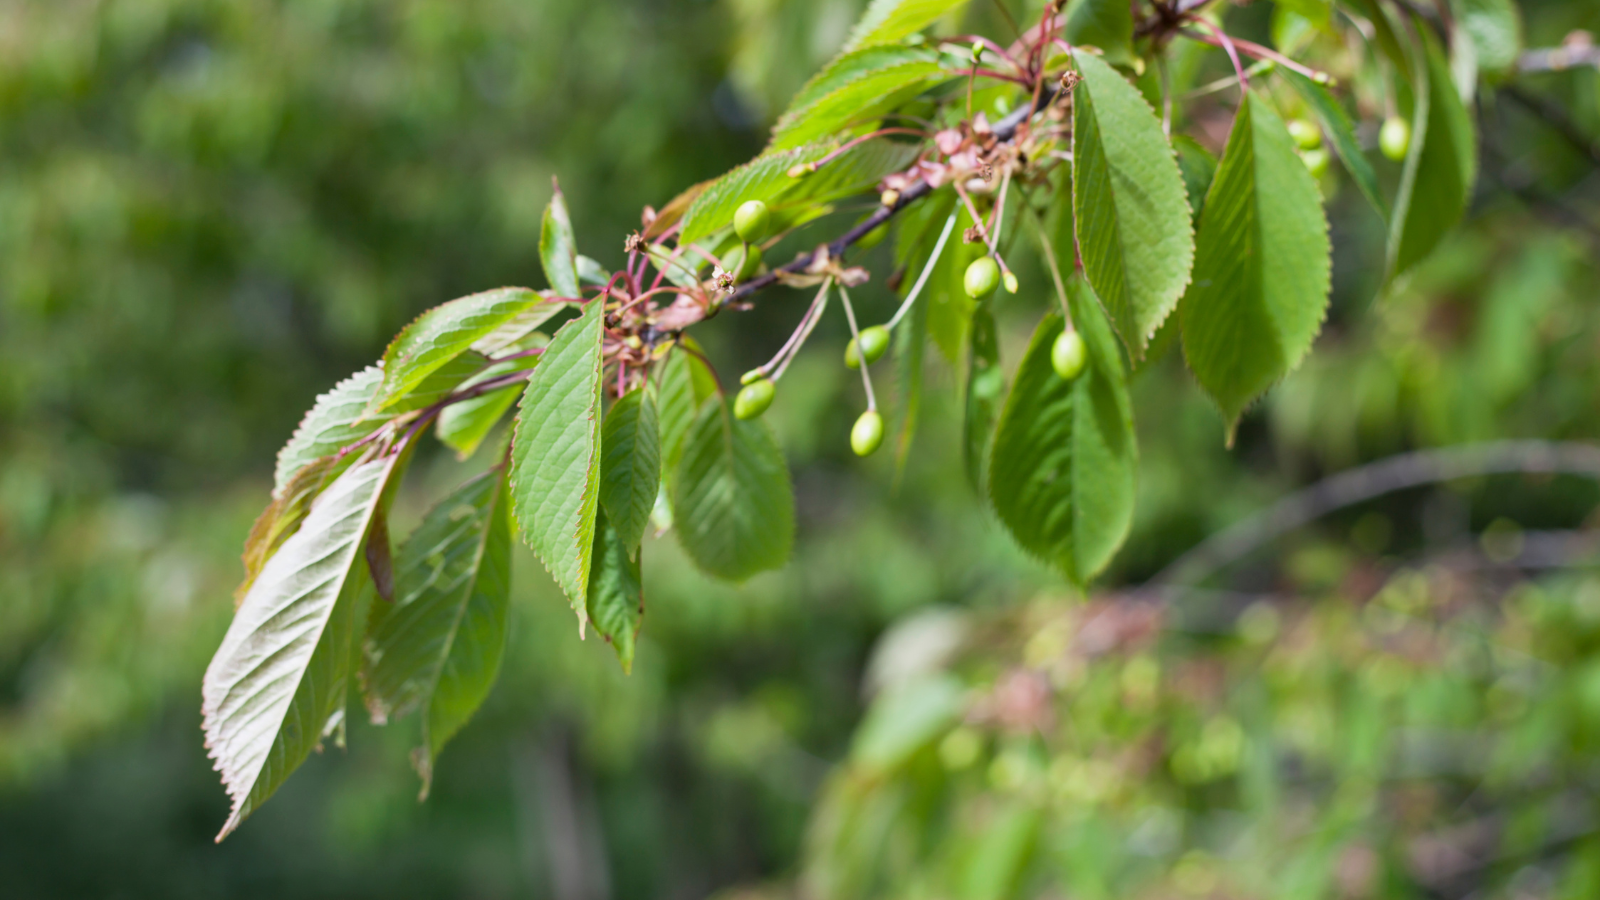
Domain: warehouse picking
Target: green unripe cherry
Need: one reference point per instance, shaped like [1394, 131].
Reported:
[752, 221]
[1316, 161]
[867, 435]
[874, 341]
[1394, 138]
[754, 398]
[743, 265]
[1306, 135]
[752, 376]
[1068, 355]
[982, 277]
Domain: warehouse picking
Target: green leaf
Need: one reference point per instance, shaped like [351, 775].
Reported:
[630, 465]
[986, 385]
[438, 646]
[852, 66]
[555, 457]
[463, 425]
[910, 359]
[521, 331]
[1440, 167]
[444, 333]
[1198, 167]
[686, 383]
[335, 421]
[277, 683]
[887, 21]
[1106, 24]
[860, 100]
[616, 593]
[1341, 135]
[949, 307]
[766, 178]
[1061, 475]
[993, 861]
[282, 518]
[905, 718]
[1261, 276]
[731, 500]
[1494, 27]
[558, 249]
[1134, 233]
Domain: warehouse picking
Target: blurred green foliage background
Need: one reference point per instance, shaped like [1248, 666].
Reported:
[211, 210]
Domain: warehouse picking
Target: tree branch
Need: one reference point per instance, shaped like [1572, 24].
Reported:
[1005, 130]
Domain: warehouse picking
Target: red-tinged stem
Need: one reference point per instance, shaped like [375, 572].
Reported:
[1256, 51]
[1222, 40]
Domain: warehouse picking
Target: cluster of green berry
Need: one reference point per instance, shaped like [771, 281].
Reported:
[752, 221]
[1394, 140]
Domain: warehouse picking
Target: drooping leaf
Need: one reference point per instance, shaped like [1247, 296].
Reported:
[463, 425]
[558, 249]
[685, 384]
[335, 421]
[616, 593]
[441, 382]
[280, 675]
[444, 333]
[438, 646]
[281, 519]
[1341, 136]
[555, 456]
[1261, 276]
[860, 98]
[1061, 474]
[887, 21]
[1134, 233]
[733, 508]
[1440, 166]
[985, 387]
[1106, 24]
[630, 465]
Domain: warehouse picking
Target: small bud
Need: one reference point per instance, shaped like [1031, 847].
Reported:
[752, 221]
[801, 170]
[1323, 78]
[977, 51]
[1010, 281]
[754, 398]
[889, 197]
[867, 435]
[752, 376]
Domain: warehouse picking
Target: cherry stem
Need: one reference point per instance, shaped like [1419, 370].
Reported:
[1254, 51]
[803, 333]
[855, 335]
[1220, 39]
[927, 270]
